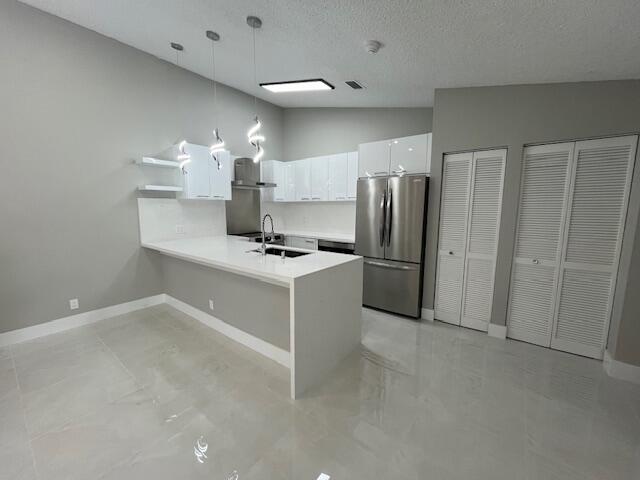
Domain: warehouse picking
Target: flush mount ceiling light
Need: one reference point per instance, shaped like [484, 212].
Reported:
[311, 85]
[254, 136]
[218, 142]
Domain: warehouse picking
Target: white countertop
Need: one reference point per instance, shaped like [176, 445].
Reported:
[333, 237]
[230, 254]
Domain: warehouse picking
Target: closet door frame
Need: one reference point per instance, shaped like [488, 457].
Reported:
[613, 270]
[544, 148]
[471, 322]
[454, 320]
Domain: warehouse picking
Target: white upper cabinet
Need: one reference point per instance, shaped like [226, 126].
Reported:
[327, 178]
[396, 156]
[410, 154]
[373, 159]
[352, 175]
[302, 171]
[202, 178]
[338, 173]
[319, 178]
[220, 177]
[197, 181]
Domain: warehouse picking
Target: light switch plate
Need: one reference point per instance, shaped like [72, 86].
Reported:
[210, 304]
[74, 304]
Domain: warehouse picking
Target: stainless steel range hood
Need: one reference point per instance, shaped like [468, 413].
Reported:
[247, 175]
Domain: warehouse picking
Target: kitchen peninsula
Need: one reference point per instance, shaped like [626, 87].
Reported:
[322, 290]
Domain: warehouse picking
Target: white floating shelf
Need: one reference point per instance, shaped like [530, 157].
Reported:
[156, 162]
[159, 188]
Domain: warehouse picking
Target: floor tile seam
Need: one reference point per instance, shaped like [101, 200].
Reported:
[80, 417]
[24, 417]
[119, 360]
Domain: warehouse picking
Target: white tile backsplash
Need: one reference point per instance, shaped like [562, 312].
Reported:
[171, 219]
[327, 217]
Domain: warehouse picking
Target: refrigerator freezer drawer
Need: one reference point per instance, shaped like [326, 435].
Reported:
[392, 286]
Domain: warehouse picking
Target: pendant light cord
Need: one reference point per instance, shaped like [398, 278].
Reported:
[255, 75]
[215, 84]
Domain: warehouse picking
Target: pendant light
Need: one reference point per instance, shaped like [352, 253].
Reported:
[183, 156]
[253, 135]
[218, 142]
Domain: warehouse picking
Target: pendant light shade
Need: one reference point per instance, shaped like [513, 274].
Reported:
[218, 143]
[254, 136]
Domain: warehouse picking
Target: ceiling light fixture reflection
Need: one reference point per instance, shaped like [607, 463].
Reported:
[312, 85]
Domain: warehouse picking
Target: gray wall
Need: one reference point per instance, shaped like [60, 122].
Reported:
[76, 109]
[258, 308]
[322, 131]
[512, 116]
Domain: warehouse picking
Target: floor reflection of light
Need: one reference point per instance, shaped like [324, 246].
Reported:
[323, 476]
[200, 450]
[233, 476]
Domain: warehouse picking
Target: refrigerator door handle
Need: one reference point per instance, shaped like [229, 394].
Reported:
[383, 220]
[389, 215]
[391, 266]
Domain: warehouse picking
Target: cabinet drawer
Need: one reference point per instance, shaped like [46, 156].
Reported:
[301, 242]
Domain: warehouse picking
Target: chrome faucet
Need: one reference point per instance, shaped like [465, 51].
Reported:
[264, 243]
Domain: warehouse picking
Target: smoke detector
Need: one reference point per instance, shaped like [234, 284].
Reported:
[372, 46]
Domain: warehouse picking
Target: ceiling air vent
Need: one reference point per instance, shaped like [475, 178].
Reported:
[355, 85]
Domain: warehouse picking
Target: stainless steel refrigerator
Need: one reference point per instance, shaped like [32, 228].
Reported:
[390, 229]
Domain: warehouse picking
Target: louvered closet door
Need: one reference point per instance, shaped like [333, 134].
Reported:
[541, 213]
[602, 171]
[456, 174]
[482, 237]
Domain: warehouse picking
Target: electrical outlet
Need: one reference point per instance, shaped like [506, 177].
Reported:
[74, 304]
[180, 229]
[210, 304]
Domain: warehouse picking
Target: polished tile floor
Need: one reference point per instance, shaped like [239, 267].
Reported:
[156, 395]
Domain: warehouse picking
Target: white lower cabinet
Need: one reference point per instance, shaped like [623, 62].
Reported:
[301, 242]
[573, 205]
[468, 240]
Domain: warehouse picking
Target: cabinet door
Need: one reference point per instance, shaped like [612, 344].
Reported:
[319, 178]
[338, 176]
[485, 204]
[280, 179]
[352, 175]
[289, 179]
[197, 181]
[302, 169]
[301, 242]
[594, 227]
[220, 177]
[543, 194]
[409, 154]
[267, 174]
[453, 236]
[373, 159]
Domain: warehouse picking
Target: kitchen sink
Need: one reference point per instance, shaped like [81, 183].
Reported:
[287, 253]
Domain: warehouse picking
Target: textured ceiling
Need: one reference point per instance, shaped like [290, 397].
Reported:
[428, 43]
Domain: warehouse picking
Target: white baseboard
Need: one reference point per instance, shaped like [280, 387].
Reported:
[427, 314]
[77, 320]
[254, 343]
[620, 370]
[497, 331]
